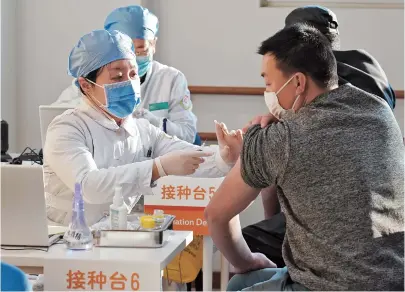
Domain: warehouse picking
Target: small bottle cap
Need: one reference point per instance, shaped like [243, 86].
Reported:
[158, 213]
[147, 222]
[118, 199]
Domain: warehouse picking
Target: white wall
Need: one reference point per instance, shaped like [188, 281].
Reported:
[8, 68]
[48, 30]
[214, 43]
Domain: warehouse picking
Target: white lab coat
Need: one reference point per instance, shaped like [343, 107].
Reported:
[163, 86]
[82, 145]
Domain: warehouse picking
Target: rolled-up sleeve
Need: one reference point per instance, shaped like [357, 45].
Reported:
[213, 166]
[264, 155]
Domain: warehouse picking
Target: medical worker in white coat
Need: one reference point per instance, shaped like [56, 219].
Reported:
[165, 96]
[100, 144]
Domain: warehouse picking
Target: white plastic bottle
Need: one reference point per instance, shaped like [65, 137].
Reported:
[118, 211]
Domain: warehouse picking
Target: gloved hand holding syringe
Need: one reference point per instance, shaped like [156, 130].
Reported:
[186, 162]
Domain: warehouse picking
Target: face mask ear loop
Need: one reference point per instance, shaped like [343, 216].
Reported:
[285, 84]
[298, 97]
[96, 103]
[88, 80]
[106, 100]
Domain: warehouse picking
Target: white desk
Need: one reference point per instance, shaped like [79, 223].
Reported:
[207, 259]
[58, 261]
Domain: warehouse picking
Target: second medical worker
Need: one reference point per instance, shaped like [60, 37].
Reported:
[100, 144]
[166, 99]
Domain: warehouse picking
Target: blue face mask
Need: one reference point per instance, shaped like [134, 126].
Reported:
[122, 97]
[144, 63]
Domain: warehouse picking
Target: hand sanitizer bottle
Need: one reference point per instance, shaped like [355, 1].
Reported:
[79, 236]
[118, 211]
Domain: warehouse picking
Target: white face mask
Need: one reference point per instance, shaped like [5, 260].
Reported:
[272, 103]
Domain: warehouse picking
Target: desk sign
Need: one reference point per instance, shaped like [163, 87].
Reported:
[82, 275]
[98, 280]
[184, 197]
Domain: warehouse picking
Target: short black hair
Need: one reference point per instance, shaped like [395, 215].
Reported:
[303, 48]
[92, 76]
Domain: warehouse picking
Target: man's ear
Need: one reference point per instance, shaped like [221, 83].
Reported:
[84, 84]
[300, 82]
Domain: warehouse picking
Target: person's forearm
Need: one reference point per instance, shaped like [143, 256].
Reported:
[96, 184]
[229, 240]
[231, 198]
[155, 172]
[213, 166]
[270, 202]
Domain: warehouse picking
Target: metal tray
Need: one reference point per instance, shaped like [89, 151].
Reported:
[135, 238]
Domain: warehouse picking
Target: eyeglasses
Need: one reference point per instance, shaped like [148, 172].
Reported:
[145, 50]
[142, 53]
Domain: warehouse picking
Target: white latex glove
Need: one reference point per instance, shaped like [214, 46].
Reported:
[183, 162]
[230, 143]
[154, 120]
[138, 113]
